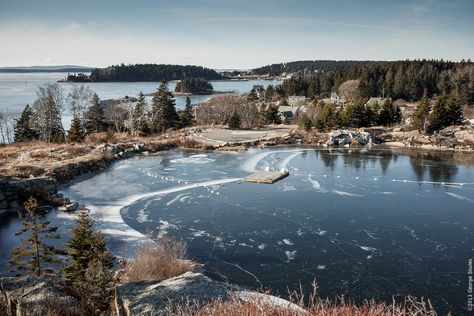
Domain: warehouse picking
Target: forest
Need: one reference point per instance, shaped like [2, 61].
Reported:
[308, 67]
[147, 73]
[406, 80]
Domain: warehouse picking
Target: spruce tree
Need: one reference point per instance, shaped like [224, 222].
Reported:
[186, 117]
[234, 121]
[76, 133]
[34, 256]
[420, 117]
[437, 118]
[453, 110]
[252, 96]
[139, 120]
[95, 118]
[164, 109]
[389, 113]
[90, 265]
[23, 130]
[270, 115]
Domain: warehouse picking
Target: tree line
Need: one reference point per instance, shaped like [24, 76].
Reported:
[43, 120]
[399, 79]
[146, 72]
[308, 67]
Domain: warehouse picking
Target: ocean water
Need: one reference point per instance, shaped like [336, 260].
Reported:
[365, 223]
[19, 89]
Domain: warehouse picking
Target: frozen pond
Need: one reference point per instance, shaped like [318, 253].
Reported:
[364, 223]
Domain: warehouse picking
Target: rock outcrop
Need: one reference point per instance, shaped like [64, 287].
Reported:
[192, 289]
[349, 137]
[15, 191]
[32, 295]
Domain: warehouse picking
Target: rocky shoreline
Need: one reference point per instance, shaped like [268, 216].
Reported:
[19, 178]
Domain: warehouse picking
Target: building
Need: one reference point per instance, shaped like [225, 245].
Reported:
[288, 113]
[337, 99]
[296, 100]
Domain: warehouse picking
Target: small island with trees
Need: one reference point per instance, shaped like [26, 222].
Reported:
[192, 85]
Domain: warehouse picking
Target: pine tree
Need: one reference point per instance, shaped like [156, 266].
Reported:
[164, 110]
[389, 114]
[95, 118]
[234, 121]
[437, 118]
[76, 133]
[34, 256]
[186, 117]
[453, 110]
[23, 130]
[139, 121]
[252, 96]
[90, 265]
[269, 93]
[420, 117]
[270, 115]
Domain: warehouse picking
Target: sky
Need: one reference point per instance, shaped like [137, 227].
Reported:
[237, 34]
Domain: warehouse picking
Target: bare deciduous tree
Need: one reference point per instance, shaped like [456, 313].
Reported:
[79, 99]
[6, 127]
[218, 110]
[349, 90]
[48, 110]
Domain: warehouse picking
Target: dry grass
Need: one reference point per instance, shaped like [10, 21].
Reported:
[411, 307]
[163, 260]
[311, 305]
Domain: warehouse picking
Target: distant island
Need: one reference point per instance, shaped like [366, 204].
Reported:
[145, 73]
[60, 68]
[190, 85]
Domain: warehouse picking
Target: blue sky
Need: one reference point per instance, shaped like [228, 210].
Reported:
[232, 34]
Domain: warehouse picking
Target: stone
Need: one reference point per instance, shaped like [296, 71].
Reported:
[33, 295]
[195, 289]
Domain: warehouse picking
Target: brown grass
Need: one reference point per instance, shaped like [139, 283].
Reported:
[311, 305]
[410, 307]
[163, 260]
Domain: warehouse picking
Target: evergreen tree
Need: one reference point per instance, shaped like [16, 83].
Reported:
[164, 110]
[355, 115]
[327, 119]
[420, 117]
[270, 115]
[389, 114]
[90, 265]
[186, 117]
[139, 120]
[23, 130]
[76, 133]
[437, 118]
[453, 110]
[234, 121]
[269, 93]
[252, 96]
[34, 256]
[95, 118]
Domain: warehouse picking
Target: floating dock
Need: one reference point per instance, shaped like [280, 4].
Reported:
[266, 176]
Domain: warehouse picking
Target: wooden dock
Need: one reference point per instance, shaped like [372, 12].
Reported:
[266, 176]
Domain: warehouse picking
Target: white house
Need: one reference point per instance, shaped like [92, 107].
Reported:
[337, 99]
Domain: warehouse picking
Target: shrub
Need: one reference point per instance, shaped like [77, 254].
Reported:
[163, 260]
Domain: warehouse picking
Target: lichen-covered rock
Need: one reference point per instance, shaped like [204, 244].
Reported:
[33, 295]
[193, 289]
[155, 297]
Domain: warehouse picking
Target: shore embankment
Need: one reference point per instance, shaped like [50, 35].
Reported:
[36, 168]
